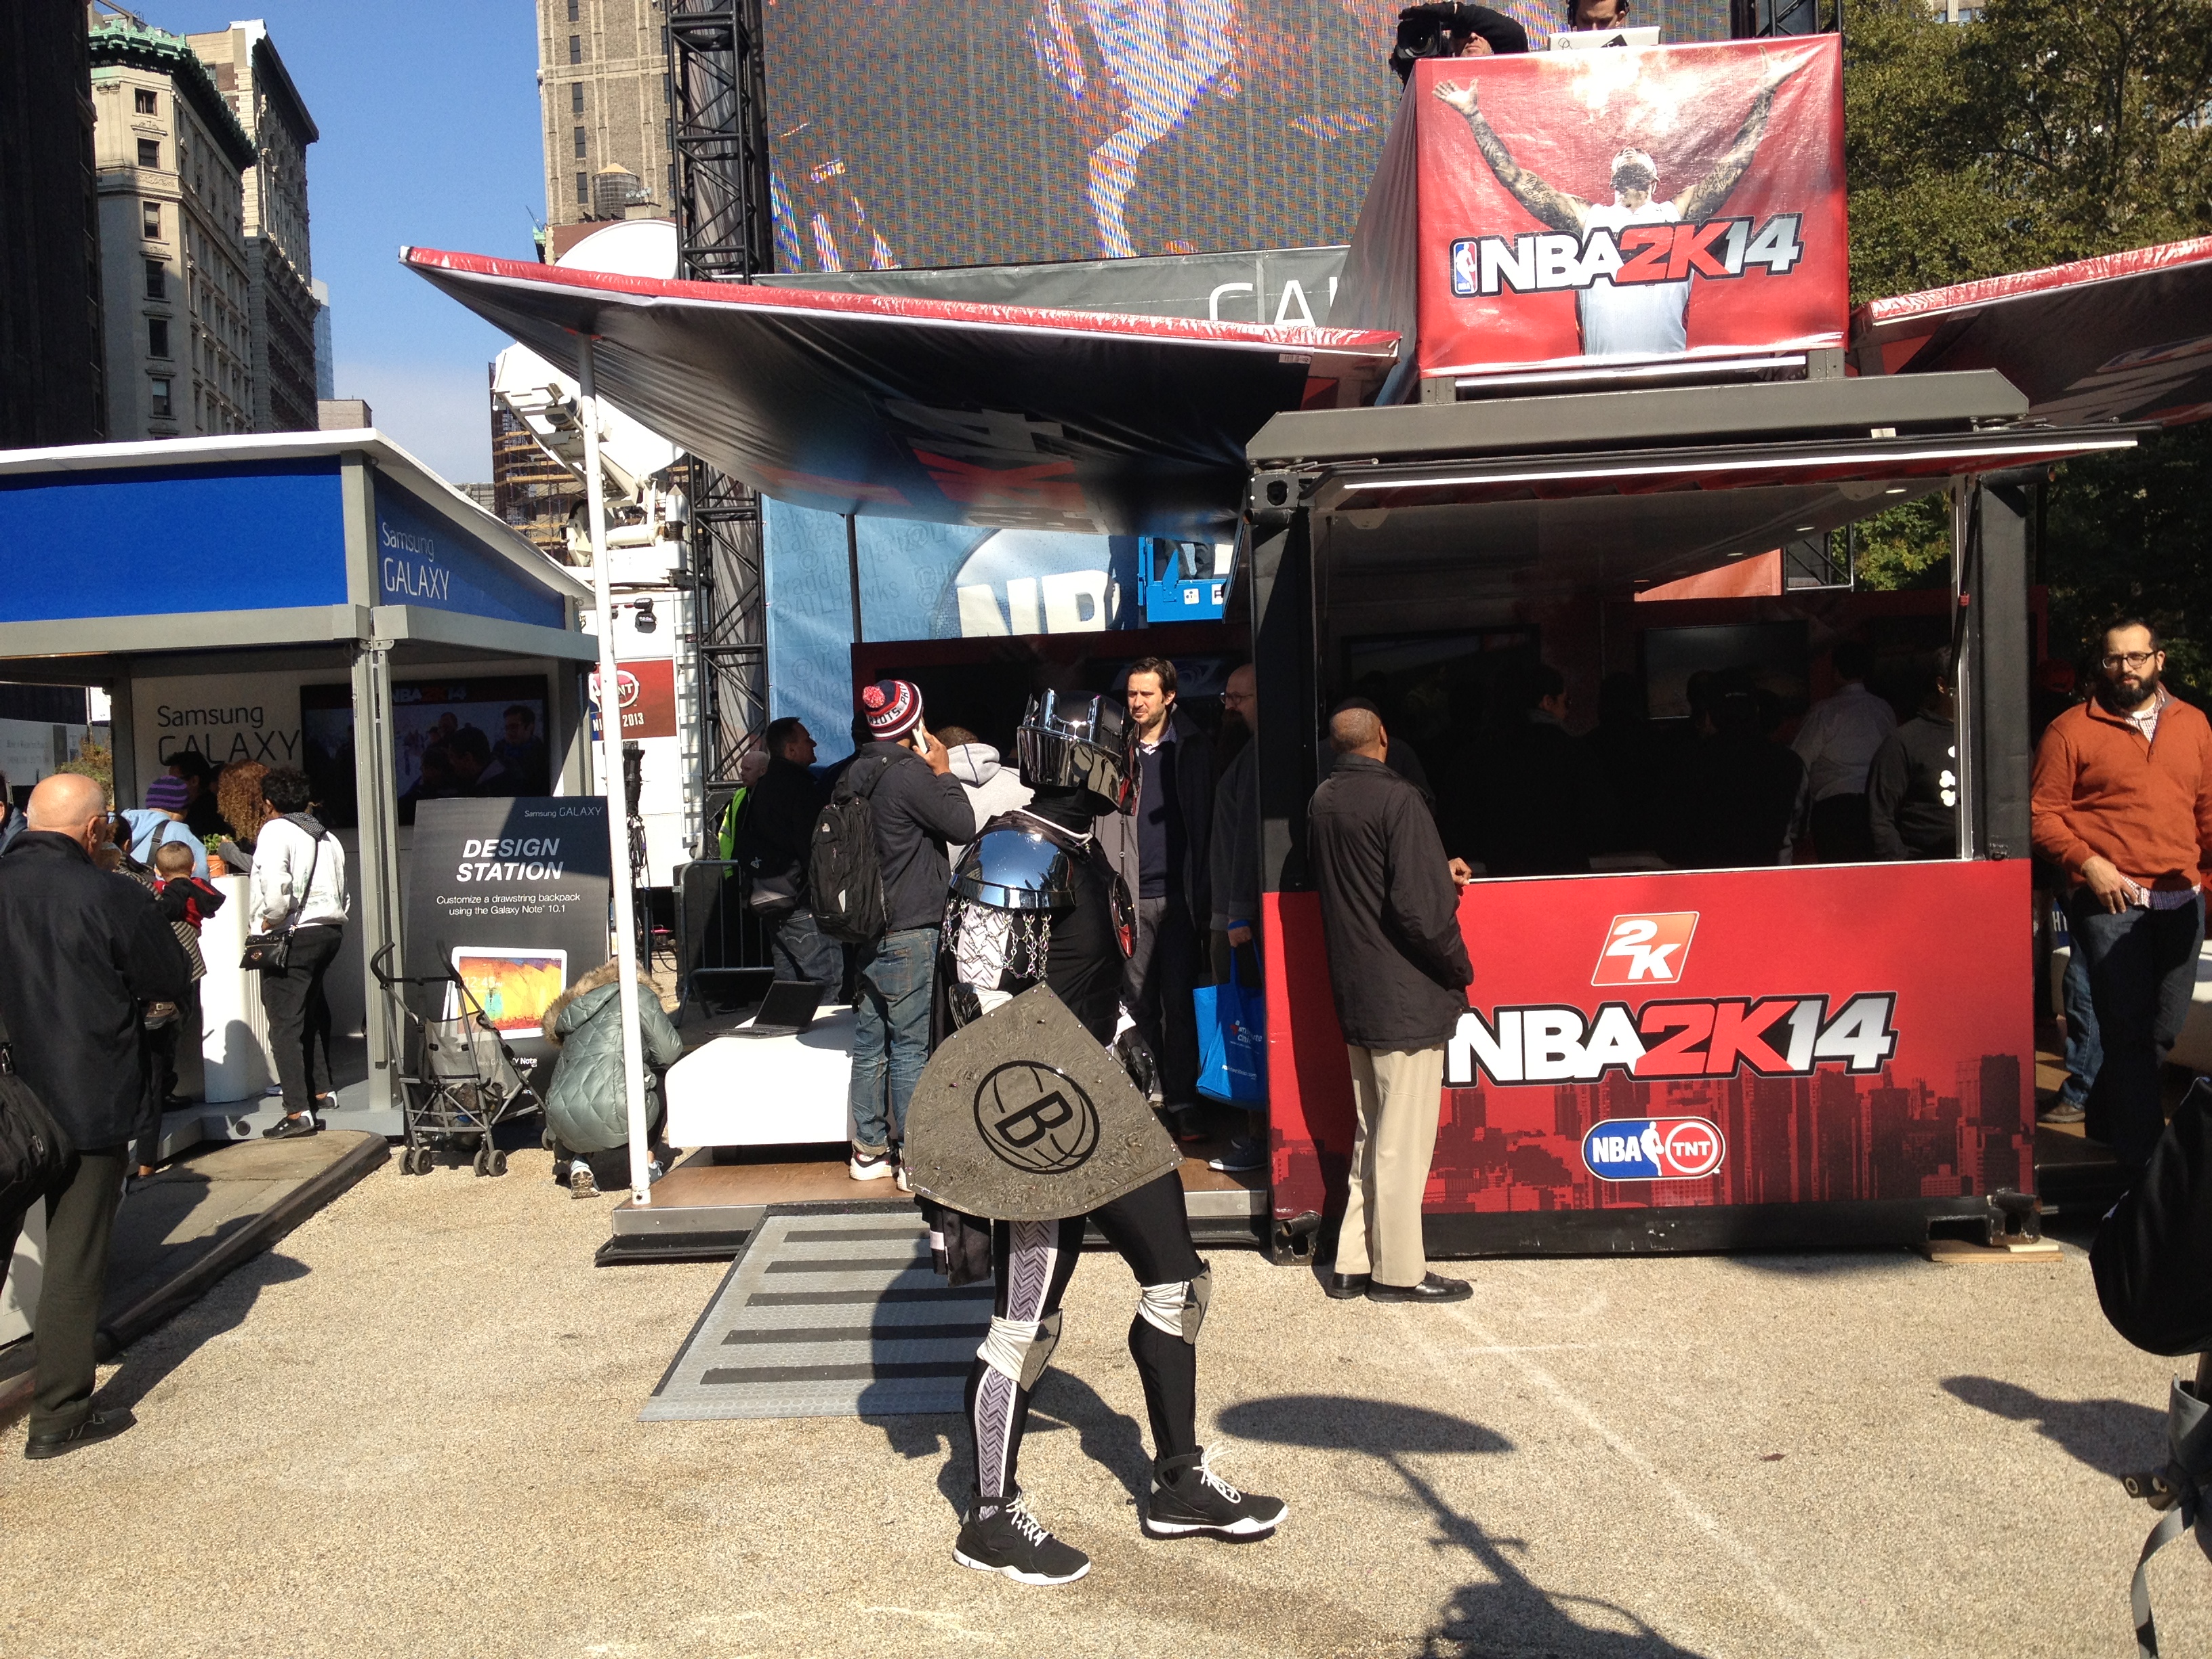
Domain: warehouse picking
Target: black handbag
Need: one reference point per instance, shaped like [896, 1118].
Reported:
[271, 952]
[772, 894]
[36, 1158]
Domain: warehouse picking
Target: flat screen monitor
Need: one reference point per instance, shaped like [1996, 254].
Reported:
[1774, 653]
[451, 738]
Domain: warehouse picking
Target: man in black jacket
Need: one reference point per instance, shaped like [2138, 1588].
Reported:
[918, 805]
[1174, 830]
[1912, 787]
[84, 948]
[1390, 911]
[774, 833]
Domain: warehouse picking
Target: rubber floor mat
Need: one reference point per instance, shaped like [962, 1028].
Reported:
[828, 1315]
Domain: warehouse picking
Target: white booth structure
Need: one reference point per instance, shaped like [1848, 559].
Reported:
[314, 600]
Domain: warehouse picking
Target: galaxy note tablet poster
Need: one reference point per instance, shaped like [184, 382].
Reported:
[1631, 204]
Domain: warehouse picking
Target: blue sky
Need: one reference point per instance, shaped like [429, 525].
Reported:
[428, 115]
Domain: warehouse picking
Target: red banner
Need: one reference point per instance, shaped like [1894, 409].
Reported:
[1631, 204]
[1750, 1037]
[648, 698]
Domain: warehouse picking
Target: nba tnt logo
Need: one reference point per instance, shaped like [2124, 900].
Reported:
[1035, 1118]
[1646, 950]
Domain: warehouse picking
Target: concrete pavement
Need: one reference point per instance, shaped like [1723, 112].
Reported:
[412, 1430]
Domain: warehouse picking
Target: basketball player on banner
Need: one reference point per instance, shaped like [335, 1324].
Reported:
[1026, 1126]
[1620, 316]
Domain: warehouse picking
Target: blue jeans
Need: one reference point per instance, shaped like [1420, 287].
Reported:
[2143, 971]
[2085, 1052]
[800, 950]
[891, 1033]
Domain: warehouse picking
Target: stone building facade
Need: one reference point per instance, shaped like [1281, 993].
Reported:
[282, 306]
[175, 271]
[607, 103]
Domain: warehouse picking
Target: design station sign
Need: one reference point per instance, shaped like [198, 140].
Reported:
[511, 896]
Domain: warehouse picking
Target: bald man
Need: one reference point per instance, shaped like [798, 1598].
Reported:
[84, 948]
[1398, 965]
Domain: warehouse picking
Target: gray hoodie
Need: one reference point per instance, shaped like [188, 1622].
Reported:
[992, 787]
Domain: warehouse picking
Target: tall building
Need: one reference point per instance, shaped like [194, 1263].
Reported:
[52, 389]
[607, 104]
[280, 303]
[326, 367]
[175, 271]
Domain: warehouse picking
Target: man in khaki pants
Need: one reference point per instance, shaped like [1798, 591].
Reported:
[1389, 908]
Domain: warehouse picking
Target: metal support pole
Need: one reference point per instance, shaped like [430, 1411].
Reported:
[610, 784]
[853, 568]
[376, 793]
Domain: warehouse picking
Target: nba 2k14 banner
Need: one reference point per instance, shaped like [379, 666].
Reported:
[1628, 204]
[1828, 1034]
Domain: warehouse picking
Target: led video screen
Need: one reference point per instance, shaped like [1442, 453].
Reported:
[906, 134]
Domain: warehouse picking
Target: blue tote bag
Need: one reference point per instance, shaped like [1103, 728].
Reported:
[1232, 1041]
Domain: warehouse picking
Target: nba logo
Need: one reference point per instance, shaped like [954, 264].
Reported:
[1646, 950]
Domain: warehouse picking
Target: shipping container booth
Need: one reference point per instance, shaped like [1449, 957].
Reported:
[1658, 1055]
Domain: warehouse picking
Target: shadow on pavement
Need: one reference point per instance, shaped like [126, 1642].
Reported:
[2113, 1436]
[1506, 1614]
[149, 1361]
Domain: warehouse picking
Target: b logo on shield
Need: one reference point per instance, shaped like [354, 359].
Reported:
[1036, 1118]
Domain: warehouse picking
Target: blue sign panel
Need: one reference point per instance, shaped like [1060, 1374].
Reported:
[423, 558]
[166, 541]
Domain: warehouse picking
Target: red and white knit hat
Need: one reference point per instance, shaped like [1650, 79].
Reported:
[892, 707]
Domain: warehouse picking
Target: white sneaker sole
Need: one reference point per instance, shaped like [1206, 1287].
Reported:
[1250, 1526]
[1016, 1573]
[872, 1172]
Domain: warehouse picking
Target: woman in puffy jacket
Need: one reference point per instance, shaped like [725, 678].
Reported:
[586, 1108]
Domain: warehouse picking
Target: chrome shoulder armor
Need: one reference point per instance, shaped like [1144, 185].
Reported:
[1015, 869]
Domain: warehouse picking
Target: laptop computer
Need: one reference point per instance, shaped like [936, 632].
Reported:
[786, 1010]
[1591, 39]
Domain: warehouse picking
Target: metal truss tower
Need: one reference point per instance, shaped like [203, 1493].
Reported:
[725, 233]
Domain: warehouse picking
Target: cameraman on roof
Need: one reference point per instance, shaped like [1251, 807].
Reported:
[1456, 28]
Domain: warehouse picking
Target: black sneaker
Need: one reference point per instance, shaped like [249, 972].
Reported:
[1188, 1498]
[1001, 1535]
[292, 1127]
[95, 1428]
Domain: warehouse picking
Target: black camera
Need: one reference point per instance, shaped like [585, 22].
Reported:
[1443, 28]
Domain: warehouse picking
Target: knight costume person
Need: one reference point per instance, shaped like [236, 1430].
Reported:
[1036, 902]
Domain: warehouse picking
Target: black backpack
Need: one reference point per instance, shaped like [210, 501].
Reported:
[36, 1158]
[844, 870]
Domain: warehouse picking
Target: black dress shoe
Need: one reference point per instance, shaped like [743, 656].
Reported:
[100, 1425]
[292, 1127]
[1344, 1287]
[1434, 1288]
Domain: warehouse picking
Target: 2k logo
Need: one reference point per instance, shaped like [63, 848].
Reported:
[1646, 950]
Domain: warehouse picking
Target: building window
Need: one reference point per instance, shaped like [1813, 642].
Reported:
[581, 151]
[157, 336]
[667, 89]
[157, 280]
[141, 100]
[583, 190]
[671, 181]
[575, 48]
[149, 152]
[575, 97]
[149, 218]
[158, 396]
[575, 7]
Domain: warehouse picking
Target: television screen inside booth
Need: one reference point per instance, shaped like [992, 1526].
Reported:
[1629, 205]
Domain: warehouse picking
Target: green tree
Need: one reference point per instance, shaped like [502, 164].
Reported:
[2044, 131]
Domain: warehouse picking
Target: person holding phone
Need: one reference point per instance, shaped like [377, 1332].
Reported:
[2123, 803]
[917, 805]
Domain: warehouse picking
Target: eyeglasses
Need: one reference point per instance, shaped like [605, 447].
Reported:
[2129, 659]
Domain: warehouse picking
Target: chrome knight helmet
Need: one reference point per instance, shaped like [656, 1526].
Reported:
[1079, 740]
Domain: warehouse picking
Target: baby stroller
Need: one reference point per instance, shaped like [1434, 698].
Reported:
[467, 1079]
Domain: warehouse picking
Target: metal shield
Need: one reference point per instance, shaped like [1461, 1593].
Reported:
[1025, 1116]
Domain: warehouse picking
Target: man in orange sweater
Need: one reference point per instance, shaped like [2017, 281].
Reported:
[2122, 801]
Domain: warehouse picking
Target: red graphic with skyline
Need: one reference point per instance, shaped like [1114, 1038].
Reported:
[1938, 1102]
